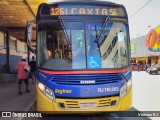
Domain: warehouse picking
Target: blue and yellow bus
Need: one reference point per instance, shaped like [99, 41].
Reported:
[83, 57]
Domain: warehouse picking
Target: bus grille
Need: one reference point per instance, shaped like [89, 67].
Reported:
[100, 103]
[104, 103]
[76, 79]
[72, 104]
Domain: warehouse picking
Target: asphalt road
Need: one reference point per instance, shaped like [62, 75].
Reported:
[11, 101]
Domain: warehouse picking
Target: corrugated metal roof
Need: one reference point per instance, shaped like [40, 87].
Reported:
[14, 15]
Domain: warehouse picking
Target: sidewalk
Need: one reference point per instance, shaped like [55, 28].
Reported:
[11, 101]
[146, 95]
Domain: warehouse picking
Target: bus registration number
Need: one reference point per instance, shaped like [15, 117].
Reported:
[88, 105]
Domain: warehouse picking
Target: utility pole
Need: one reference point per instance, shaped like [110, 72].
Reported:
[7, 47]
[7, 51]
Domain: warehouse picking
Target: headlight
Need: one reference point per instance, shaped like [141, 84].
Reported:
[41, 87]
[129, 83]
[46, 91]
[125, 88]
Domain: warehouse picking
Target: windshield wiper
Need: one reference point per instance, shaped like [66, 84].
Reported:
[64, 29]
[102, 29]
[100, 33]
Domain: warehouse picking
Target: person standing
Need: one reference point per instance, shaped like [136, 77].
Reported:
[21, 68]
[146, 67]
[138, 67]
[32, 65]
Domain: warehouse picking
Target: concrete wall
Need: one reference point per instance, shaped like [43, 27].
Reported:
[16, 46]
[17, 49]
[1, 41]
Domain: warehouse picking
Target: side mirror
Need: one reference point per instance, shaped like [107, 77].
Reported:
[29, 37]
[29, 32]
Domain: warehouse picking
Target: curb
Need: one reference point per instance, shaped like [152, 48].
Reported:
[31, 105]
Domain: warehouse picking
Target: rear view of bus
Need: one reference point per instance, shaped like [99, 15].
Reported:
[83, 57]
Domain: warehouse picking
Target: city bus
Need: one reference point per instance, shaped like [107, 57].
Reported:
[83, 57]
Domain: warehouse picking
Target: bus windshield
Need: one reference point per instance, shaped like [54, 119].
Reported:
[70, 45]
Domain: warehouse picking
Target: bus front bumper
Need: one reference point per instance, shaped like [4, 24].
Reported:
[62, 106]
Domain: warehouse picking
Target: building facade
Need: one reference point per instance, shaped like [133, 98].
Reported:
[141, 54]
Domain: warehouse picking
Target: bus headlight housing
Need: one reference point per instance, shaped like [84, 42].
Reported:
[125, 88]
[46, 91]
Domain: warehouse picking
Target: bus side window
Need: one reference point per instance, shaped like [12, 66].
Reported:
[44, 47]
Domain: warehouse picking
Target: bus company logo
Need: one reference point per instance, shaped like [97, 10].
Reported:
[89, 27]
[87, 82]
[63, 91]
[88, 91]
[94, 27]
[153, 41]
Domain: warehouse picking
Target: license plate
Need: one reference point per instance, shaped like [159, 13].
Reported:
[88, 105]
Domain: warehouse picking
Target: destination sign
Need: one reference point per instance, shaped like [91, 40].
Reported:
[85, 10]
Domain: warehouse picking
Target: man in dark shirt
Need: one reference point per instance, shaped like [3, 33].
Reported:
[32, 65]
